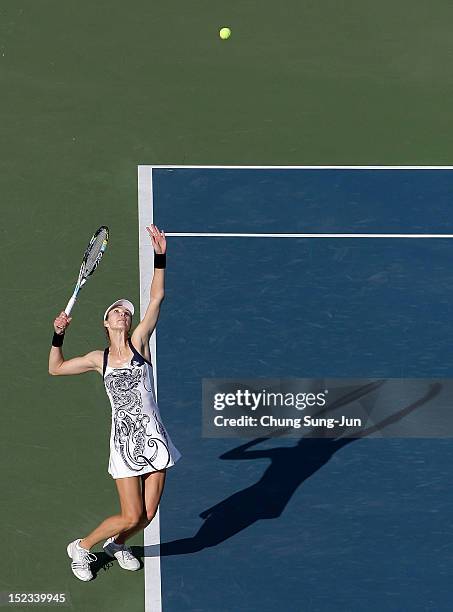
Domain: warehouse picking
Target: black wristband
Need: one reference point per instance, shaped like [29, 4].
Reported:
[160, 260]
[57, 339]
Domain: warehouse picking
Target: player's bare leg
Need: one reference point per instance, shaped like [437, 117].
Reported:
[132, 511]
[152, 489]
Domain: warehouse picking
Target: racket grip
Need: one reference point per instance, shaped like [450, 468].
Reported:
[70, 303]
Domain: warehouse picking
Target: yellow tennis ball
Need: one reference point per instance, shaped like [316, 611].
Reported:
[225, 33]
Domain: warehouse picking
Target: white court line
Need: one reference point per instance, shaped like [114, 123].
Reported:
[163, 167]
[232, 235]
[151, 536]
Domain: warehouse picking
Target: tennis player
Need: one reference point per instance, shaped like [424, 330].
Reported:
[140, 447]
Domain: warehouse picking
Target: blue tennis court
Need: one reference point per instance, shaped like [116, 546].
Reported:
[312, 524]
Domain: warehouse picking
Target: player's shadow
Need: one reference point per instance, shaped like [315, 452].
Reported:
[103, 561]
[106, 563]
[289, 468]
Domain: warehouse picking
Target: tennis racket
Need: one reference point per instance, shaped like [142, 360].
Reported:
[91, 258]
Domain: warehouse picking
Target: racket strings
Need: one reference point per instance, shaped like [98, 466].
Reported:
[95, 251]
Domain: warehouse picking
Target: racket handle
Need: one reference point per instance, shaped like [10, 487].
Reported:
[70, 303]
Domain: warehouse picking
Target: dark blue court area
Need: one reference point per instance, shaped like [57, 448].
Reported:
[309, 525]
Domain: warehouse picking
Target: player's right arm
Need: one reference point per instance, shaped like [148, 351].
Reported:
[58, 366]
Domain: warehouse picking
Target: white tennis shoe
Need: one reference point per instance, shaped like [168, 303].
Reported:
[81, 559]
[122, 553]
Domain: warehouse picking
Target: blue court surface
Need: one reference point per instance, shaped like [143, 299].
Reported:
[304, 525]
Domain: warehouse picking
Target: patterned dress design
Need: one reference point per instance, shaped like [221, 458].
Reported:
[139, 442]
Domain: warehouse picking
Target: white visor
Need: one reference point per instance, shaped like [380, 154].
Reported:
[121, 302]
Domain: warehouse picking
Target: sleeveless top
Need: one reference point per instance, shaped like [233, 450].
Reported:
[139, 442]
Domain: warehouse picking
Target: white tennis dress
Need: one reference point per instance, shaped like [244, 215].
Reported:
[139, 442]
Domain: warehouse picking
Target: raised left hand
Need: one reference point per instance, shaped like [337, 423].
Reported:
[158, 239]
